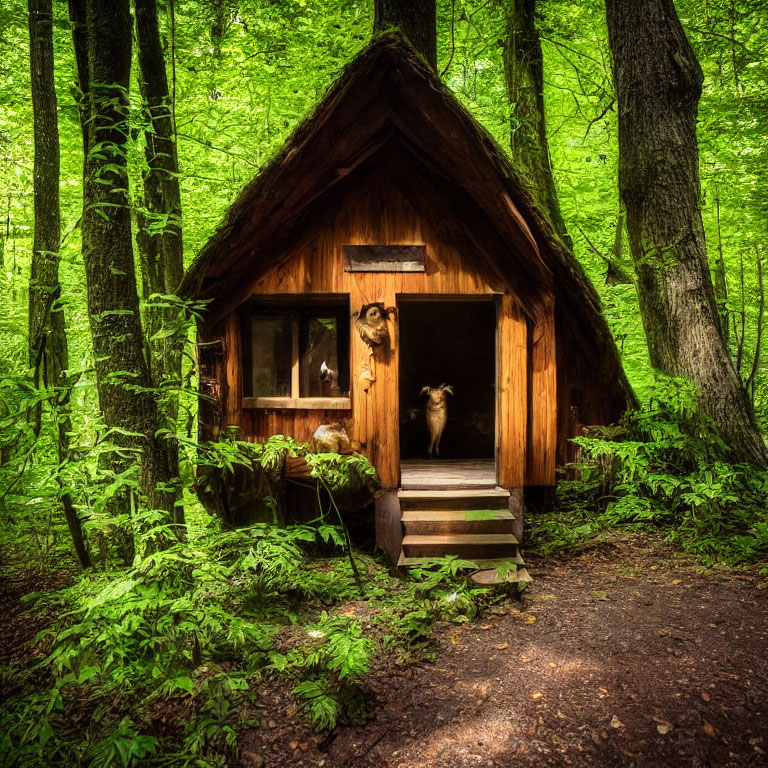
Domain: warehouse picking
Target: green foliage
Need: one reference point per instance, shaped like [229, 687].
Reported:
[664, 468]
[441, 591]
[335, 472]
[190, 629]
[331, 670]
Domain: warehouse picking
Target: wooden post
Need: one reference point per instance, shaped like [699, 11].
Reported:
[234, 397]
[359, 370]
[295, 383]
[386, 399]
[512, 408]
[543, 402]
[375, 402]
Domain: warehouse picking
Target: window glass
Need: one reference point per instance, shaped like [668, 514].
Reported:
[280, 337]
[319, 357]
[271, 355]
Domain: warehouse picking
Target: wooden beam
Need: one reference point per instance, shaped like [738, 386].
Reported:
[360, 372]
[295, 380]
[233, 370]
[389, 534]
[299, 403]
[540, 469]
[512, 408]
[386, 393]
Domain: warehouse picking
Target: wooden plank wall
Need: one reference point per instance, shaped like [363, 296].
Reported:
[587, 390]
[234, 380]
[384, 217]
[512, 395]
[300, 423]
[542, 403]
[379, 217]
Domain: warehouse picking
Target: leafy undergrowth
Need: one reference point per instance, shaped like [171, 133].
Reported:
[161, 664]
[663, 469]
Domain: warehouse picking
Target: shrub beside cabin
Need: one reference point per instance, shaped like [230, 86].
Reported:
[389, 247]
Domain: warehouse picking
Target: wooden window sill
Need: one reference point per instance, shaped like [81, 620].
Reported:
[300, 403]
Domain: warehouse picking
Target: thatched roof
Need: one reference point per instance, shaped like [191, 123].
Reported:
[389, 94]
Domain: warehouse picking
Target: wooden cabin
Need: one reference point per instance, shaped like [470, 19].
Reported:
[390, 246]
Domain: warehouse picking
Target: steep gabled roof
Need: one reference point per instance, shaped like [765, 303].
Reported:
[389, 94]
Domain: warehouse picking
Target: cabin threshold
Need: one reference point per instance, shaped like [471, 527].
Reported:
[446, 474]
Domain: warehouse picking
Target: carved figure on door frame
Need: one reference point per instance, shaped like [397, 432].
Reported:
[371, 323]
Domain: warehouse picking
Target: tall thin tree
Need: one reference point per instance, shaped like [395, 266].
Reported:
[524, 76]
[658, 84]
[121, 357]
[48, 347]
[159, 235]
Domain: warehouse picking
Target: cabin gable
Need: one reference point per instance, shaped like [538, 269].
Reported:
[375, 212]
[469, 287]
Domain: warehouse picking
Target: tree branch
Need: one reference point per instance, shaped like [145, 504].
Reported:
[600, 116]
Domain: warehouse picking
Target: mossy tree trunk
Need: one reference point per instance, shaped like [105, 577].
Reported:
[80, 46]
[416, 19]
[47, 334]
[48, 348]
[658, 83]
[524, 76]
[159, 235]
[121, 357]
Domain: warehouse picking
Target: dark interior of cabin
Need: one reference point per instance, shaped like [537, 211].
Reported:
[448, 342]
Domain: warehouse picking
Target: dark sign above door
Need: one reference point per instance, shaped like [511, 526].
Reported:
[384, 258]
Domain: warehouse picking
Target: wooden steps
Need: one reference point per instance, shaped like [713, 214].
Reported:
[462, 499]
[472, 524]
[482, 563]
[465, 545]
[435, 521]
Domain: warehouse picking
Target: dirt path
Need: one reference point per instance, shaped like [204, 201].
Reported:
[628, 655]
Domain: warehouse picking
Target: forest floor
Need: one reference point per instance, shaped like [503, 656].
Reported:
[626, 654]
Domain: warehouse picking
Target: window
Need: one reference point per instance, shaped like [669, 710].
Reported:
[296, 354]
[271, 356]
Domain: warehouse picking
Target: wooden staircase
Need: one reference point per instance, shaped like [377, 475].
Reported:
[472, 523]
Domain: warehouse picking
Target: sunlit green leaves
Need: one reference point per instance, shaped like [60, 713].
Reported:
[667, 469]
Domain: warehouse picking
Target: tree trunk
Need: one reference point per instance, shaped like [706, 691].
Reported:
[221, 10]
[416, 19]
[658, 84]
[44, 287]
[159, 237]
[524, 75]
[48, 350]
[122, 366]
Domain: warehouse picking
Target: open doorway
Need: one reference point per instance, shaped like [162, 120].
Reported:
[453, 343]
